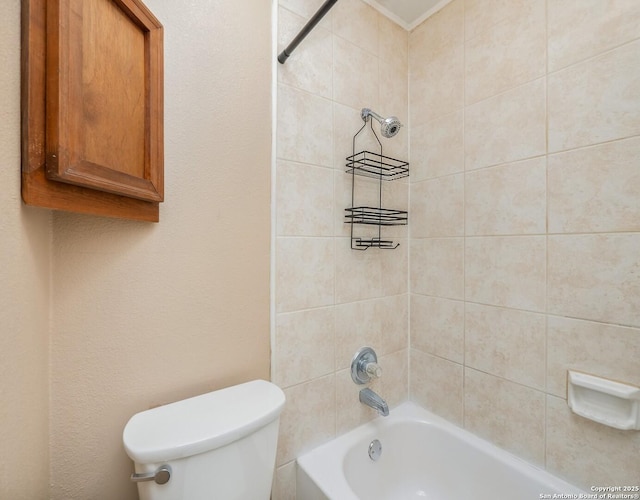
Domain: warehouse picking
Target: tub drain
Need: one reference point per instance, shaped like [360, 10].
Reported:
[375, 450]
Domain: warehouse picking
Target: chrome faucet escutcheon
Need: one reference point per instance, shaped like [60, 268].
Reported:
[364, 366]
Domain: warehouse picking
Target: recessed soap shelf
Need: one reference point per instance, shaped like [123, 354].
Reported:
[605, 401]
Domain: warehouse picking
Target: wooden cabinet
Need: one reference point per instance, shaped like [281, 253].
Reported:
[92, 107]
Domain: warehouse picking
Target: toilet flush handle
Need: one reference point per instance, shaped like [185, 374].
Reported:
[161, 475]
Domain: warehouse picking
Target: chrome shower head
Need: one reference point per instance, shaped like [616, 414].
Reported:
[388, 126]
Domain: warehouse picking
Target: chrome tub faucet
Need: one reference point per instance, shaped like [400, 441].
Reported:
[370, 398]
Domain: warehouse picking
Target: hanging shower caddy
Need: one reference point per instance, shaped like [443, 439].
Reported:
[382, 168]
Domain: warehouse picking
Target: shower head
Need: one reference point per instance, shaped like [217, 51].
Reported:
[388, 126]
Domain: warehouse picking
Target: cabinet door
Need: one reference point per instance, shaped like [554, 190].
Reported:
[104, 97]
[92, 106]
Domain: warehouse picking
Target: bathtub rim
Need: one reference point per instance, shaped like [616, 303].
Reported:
[327, 474]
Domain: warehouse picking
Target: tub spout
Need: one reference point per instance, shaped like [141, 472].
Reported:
[370, 398]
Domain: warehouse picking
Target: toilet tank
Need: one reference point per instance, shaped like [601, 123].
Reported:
[220, 445]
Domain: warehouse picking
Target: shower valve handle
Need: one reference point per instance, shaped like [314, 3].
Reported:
[374, 370]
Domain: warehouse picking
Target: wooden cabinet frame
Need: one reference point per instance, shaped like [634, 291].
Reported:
[92, 107]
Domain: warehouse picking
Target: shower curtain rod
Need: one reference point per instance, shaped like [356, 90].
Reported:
[306, 30]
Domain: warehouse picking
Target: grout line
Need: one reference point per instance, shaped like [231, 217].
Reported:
[546, 249]
[593, 145]
[506, 91]
[273, 207]
[530, 311]
[527, 235]
[336, 238]
[464, 219]
[410, 226]
[304, 164]
[593, 56]
[528, 158]
[307, 92]
[500, 377]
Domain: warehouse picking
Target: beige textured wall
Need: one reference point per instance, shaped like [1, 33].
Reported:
[525, 123]
[331, 300]
[25, 249]
[144, 314]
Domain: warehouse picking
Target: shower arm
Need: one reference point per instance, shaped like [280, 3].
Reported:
[366, 112]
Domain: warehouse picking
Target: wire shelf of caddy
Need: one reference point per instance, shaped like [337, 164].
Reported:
[376, 216]
[378, 166]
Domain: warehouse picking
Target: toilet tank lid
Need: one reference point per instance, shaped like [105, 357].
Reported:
[201, 423]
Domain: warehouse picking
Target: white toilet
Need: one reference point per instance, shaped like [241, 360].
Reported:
[217, 446]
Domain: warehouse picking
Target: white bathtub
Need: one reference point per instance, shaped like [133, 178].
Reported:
[423, 457]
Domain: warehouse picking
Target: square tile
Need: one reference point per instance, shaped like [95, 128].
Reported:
[299, 262]
[437, 327]
[596, 100]
[506, 271]
[582, 29]
[595, 277]
[437, 385]
[595, 189]
[306, 69]
[299, 138]
[498, 410]
[437, 207]
[304, 200]
[506, 343]
[507, 127]
[511, 53]
[509, 199]
[437, 267]
[437, 147]
[304, 346]
[308, 418]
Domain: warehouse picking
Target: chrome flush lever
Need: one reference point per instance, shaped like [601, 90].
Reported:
[161, 475]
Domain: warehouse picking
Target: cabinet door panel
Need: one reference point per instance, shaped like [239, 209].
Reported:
[104, 97]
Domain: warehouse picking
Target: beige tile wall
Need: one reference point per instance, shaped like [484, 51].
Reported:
[331, 300]
[524, 123]
[525, 223]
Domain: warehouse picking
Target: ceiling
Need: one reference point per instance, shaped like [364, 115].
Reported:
[408, 13]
